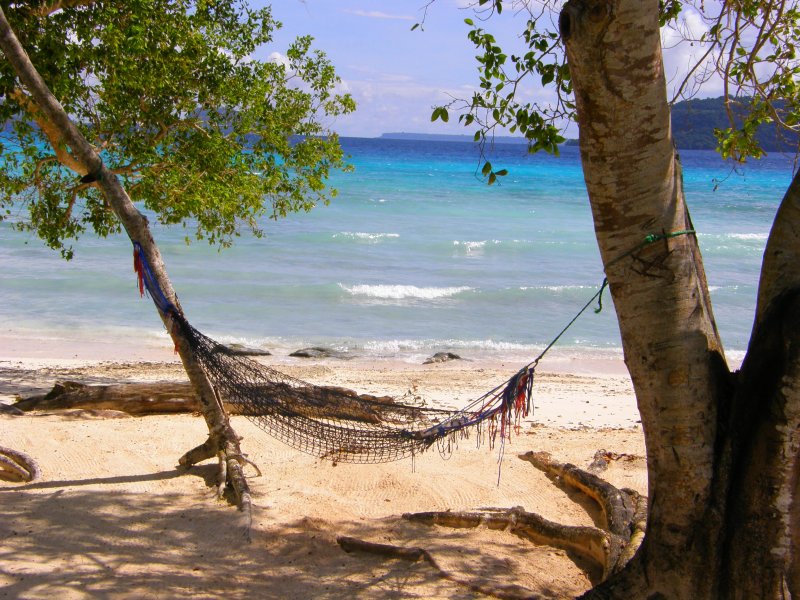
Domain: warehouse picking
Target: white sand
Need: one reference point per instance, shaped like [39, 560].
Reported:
[113, 518]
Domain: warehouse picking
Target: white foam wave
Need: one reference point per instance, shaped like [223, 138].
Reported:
[749, 236]
[477, 244]
[475, 248]
[757, 237]
[558, 289]
[365, 237]
[403, 292]
[566, 288]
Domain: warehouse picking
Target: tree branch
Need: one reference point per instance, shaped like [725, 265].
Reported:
[48, 8]
[51, 131]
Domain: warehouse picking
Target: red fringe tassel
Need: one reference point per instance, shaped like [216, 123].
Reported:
[139, 269]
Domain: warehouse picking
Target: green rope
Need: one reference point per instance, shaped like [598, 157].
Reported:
[648, 239]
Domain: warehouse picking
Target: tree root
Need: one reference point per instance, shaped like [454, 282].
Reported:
[231, 461]
[414, 554]
[624, 510]
[17, 466]
[600, 548]
[606, 547]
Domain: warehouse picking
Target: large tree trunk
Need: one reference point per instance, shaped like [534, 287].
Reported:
[722, 450]
[223, 441]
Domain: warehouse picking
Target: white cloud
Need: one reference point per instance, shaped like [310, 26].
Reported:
[682, 52]
[376, 14]
[277, 57]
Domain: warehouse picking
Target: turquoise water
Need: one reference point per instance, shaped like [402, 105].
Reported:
[415, 255]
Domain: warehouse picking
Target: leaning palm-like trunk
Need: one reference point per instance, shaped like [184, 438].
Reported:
[722, 448]
[223, 441]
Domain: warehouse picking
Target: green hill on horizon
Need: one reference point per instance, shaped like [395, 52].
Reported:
[693, 124]
[694, 121]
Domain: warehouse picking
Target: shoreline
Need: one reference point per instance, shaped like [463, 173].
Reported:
[569, 391]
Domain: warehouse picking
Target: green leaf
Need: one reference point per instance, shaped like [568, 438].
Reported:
[487, 168]
[172, 88]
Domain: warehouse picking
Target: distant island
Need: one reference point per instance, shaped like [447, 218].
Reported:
[442, 137]
[693, 124]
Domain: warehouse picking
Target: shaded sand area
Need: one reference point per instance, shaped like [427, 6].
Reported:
[111, 516]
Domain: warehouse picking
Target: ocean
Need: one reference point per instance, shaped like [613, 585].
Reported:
[416, 255]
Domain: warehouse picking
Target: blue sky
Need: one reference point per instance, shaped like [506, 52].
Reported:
[397, 75]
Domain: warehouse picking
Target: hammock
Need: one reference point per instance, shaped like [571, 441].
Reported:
[338, 425]
[334, 423]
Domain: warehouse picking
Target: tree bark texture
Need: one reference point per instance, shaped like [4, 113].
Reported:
[761, 537]
[222, 437]
[722, 449]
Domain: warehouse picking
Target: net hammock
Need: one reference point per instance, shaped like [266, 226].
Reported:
[342, 426]
[334, 423]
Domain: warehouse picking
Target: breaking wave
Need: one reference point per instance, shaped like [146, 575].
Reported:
[403, 292]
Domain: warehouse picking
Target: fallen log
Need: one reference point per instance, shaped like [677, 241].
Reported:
[131, 398]
[169, 397]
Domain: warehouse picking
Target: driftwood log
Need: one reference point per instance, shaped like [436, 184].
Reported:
[179, 397]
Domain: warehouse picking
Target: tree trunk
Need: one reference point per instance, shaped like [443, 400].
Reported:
[223, 441]
[761, 537]
[722, 451]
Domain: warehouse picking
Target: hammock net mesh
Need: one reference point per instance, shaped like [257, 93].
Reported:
[335, 423]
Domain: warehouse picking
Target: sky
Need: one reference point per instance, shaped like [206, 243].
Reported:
[397, 75]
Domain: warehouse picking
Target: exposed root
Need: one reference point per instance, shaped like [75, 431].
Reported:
[624, 510]
[412, 554]
[605, 548]
[600, 548]
[17, 466]
[204, 451]
[415, 553]
[244, 460]
[602, 458]
[618, 506]
[230, 470]
[222, 475]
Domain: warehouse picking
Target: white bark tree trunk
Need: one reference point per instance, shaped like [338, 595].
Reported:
[722, 450]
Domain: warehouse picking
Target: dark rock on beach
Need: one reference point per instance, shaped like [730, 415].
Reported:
[442, 357]
[242, 350]
[318, 352]
[7, 409]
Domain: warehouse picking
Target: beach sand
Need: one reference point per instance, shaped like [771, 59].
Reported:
[111, 516]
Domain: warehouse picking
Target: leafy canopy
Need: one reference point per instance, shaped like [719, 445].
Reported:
[749, 46]
[168, 91]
